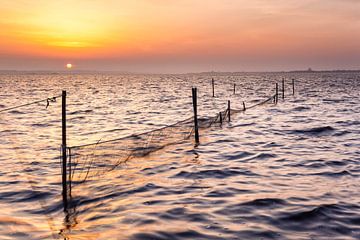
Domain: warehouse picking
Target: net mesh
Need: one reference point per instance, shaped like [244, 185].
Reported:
[93, 160]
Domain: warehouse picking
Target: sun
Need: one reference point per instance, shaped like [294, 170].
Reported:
[69, 66]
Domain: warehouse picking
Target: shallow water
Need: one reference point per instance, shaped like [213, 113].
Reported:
[285, 171]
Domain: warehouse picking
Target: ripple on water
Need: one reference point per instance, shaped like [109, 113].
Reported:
[25, 196]
[300, 109]
[214, 173]
[335, 174]
[246, 208]
[228, 192]
[162, 235]
[330, 218]
[316, 131]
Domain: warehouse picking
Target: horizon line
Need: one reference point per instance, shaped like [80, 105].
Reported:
[78, 71]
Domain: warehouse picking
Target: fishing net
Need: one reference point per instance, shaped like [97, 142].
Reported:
[93, 160]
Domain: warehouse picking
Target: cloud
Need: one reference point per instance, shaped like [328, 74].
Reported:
[175, 32]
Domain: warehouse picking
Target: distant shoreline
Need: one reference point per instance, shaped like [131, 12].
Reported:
[144, 73]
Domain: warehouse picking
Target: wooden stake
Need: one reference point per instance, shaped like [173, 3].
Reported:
[293, 86]
[244, 107]
[220, 118]
[277, 93]
[229, 110]
[64, 153]
[213, 86]
[196, 127]
[234, 88]
[283, 88]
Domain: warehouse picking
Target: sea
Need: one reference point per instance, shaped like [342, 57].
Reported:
[289, 170]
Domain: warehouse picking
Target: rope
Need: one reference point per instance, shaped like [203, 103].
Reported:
[261, 103]
[47, 100]
[131, 136]
[172, 125]
[95, 159]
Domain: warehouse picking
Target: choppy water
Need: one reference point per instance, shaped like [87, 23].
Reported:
[289, 171]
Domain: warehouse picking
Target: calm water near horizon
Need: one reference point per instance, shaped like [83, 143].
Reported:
[285, 171]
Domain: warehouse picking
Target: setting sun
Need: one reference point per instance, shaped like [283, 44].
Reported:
[69, 66]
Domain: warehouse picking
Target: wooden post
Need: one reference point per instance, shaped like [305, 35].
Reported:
[244, 107]
[229, 110]
[213, 86]
[220, 118]
[64, 153]
[196, 127]
[283, 88]
[277, 93]
[234, 88]
[293, 86]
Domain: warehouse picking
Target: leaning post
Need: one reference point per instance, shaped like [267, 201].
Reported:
[196, 126]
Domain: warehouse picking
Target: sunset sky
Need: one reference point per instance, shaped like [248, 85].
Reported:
[180, 35]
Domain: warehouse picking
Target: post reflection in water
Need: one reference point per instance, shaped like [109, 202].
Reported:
[70, 211]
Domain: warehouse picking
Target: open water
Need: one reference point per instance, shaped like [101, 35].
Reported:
[285, 171]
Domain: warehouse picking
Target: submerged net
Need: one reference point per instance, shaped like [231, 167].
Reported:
[93, 160]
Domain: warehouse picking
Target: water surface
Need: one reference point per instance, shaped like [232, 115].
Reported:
[285, 171]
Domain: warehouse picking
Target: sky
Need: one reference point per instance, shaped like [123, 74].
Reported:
[177, 36]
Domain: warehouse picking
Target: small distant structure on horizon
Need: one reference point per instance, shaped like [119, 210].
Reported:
[310, 70]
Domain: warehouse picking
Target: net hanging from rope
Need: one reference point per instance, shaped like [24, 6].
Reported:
[93, 160]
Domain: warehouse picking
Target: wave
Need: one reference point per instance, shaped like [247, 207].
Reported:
[213, 174]
[300, 109]
[81, 111]
[316, 131]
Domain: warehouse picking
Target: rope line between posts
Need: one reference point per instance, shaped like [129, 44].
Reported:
[47, 100]
[131, 136]
[94, 159]
[224, 115]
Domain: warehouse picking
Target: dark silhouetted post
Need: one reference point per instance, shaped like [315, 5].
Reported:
[244, 107]
[196, 127]
[229, 110]
[283, 88]
[293, 86]
[213, 87]
[220, 118]
[64, 154]
[234, 88]
[277, 93]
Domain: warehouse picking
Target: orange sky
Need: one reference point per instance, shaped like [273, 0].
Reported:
[180, 35]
